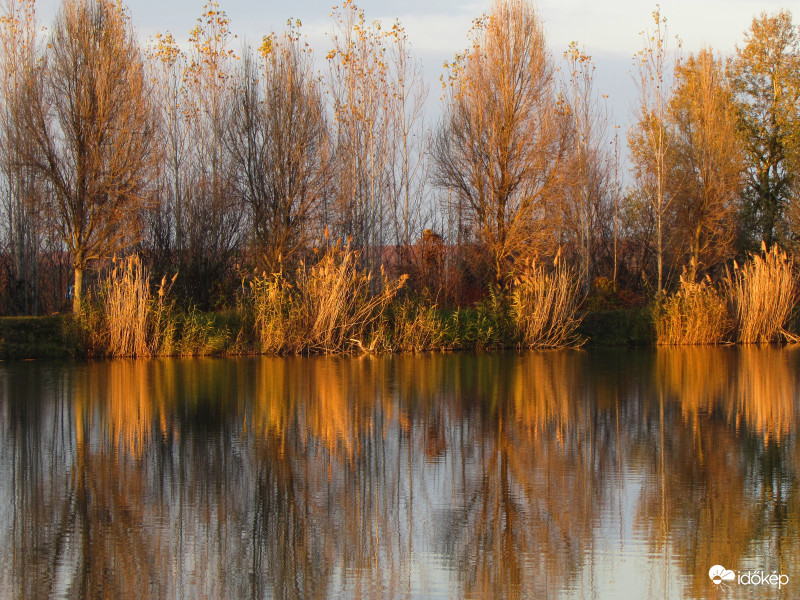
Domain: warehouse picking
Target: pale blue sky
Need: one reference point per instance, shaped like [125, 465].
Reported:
[609, 29]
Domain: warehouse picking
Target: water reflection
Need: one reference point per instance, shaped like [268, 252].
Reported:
[538, 475]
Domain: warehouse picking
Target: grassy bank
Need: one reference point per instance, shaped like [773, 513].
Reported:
[36, 337]
[223, 334]
[333, 305]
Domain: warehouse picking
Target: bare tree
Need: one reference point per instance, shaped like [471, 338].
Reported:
[501, 144]
[616, 192]
[165, 221]
[588, 182]
[89, 121]
[649, 137]
[409, 138]
[22, 190]
[211, 216]
[278, 143]
[360, 87]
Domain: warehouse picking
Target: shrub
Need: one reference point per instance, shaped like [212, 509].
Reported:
[489, 324]
[418, 326]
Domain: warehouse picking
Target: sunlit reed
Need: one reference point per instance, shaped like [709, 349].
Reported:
[761, 296]
[327, 307]
[695, 314]
[545, 304]
[133, 320]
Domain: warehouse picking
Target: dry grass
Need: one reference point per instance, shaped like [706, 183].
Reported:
[328, 308]
[761, 297]
[544, 306]
[695, 314]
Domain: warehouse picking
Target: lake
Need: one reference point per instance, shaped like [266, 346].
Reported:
[604, 473]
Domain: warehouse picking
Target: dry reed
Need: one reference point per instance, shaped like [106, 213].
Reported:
[545, 305]
[761, 296]
[328, 308]
[695, 314]
[135, 322]
[125, 301]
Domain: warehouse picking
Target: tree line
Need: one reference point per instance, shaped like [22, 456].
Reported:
[215, 160]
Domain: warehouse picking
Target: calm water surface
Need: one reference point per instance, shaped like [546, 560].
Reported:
[577, 474]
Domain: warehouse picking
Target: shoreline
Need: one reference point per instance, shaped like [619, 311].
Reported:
[54, 337]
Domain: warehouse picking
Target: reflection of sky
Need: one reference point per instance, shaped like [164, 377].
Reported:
[430, 577]
[619, 564]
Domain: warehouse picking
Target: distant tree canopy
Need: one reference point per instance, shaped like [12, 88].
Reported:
[765, 75]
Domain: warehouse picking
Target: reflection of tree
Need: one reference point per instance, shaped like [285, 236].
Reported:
[341, 477]
[79, 514]
[532, 477]
[695, 502]
[100, 532]
[725, 492]
[290, 557]
[320, 427]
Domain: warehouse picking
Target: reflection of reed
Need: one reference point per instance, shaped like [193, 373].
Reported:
[754, 387]
[713, 493]
[274, 392]
[546, 392]
[131, 405]
[330, 400]
[698, 376]
[767, 390]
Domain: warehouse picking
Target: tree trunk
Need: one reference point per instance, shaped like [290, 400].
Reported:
[659, 258]
[77, 293]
